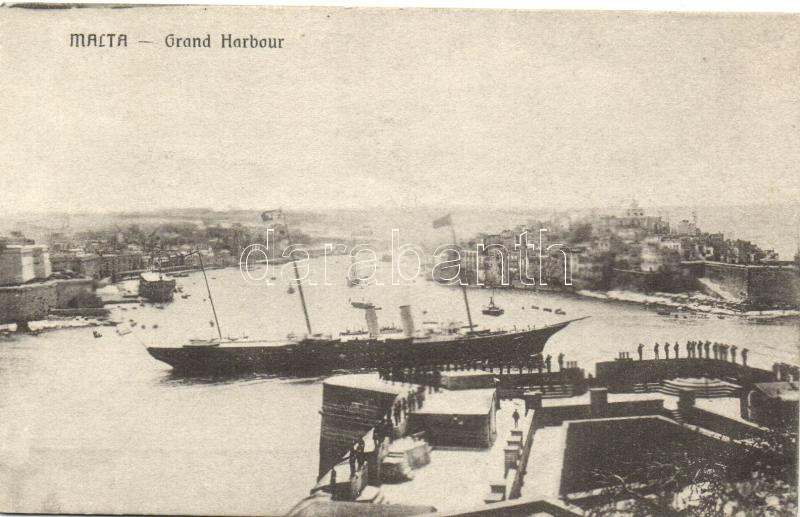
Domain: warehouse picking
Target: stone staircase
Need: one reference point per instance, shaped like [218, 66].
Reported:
[558, 391]
[677, 416]
[553, 391]
[714, 388]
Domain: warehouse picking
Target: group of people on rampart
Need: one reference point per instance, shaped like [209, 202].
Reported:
[697, 349]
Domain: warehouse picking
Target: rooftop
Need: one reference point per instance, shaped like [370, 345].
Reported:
[369, 381]
[459, 402]
[456, 478]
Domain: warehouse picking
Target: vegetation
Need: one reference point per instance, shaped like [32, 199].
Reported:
[752, 477]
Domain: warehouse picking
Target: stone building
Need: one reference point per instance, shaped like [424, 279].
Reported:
[22, 263]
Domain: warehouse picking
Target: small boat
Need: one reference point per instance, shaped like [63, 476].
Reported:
[124, 332]
[96, 334]
[391, 329]
[159, 307]
[349, 332]
[290, 290]
[144, 326]
[155, 325]
[535, 307]
[185, 296]
[547, 309]
[492, 309]
[560, 312]
[363, 304]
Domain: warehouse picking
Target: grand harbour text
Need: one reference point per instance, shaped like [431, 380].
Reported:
[226, 40]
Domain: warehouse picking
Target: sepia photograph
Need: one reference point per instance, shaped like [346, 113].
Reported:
[362, 261]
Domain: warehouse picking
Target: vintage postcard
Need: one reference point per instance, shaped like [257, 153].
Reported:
[357, 261]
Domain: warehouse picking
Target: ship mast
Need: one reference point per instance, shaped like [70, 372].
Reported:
[208, 288]
[448, 221]
[463, 287]
[296, 274]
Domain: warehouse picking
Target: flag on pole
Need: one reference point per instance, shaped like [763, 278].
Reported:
[443, 221]
[269, 215]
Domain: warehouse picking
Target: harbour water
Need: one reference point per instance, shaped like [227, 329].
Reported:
[108, 427]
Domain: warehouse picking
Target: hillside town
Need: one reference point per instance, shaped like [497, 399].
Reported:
[632, 252]
[637, 252]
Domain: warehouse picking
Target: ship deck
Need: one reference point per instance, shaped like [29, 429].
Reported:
[431, 338]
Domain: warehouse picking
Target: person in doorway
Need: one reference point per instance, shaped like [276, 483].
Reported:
[353, 458]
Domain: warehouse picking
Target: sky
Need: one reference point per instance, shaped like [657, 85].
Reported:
[375, 108]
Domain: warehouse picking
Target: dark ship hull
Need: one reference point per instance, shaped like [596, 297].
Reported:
[156, 289]
[312, 356]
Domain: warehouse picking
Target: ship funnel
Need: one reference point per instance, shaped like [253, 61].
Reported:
[372, 322]
[408, 320]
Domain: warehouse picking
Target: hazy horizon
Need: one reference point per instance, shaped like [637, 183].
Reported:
[444, 208]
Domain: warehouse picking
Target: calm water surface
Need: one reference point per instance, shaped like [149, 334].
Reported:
[97, 425]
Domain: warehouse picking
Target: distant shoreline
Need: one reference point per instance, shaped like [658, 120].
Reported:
[691, 305]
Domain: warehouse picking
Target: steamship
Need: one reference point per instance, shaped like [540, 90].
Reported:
[156, 286]
[318, 353]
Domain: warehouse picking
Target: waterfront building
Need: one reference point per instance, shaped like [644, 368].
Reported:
[772, 404]
[84, 264]
[22, 263]
[112, 264]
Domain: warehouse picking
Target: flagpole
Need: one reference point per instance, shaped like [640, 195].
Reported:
[296, 274]
[463, 287]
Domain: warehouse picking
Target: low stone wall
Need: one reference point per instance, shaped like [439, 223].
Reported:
[557, 415]
[771, 286]
[31, 302]
[623, 375]
[760, 285]
[720, 424]
[509, 383]
[647, 281]
[733, 278]
[96, 312]
[28, 302]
